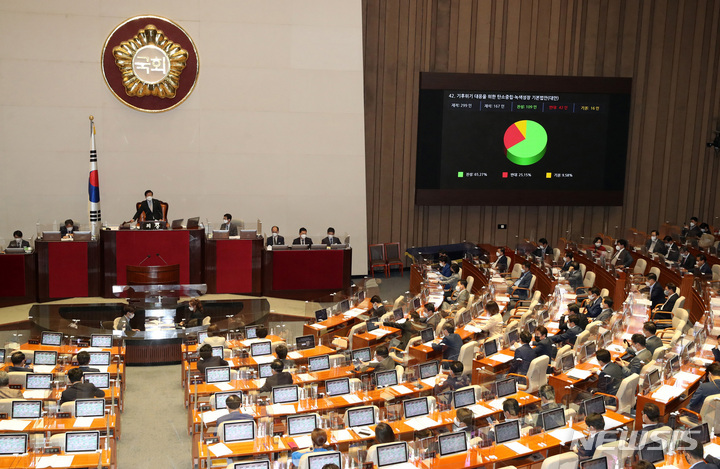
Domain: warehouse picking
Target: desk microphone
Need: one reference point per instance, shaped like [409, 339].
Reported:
[161, 258]
[148, 257]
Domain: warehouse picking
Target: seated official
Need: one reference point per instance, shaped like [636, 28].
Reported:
[703, 269]
[574, 275]
[435, 316]
[383, 434]
[330, 238]
[691, 230]
[543, 249]
[444, 265]
[261, 332]
[303, 238]
[593, 303]
[377, 307]
[622, 258]
[501, 263]
[68, 228]
[275, 239]
[654, 290]
[410, 328]
[543, 345]
[449, 283]
[456, 380]
[124, 322]
[319, 440]
[196, 314]
[652, 342]
[511, 411]
[597, 436]
[573, 309]
[672, 252]
[233, 404]
[650, 421]
[523, 355]
[227, 224]
[546, 393]
[606, 311]
[710, 388]
[281, 352]
[17, 241]
[464, 421]
[18, 362]
[664, 310]
[5, 391]
[610, 374]
[207, 359]
[151, 207]
[567, 260]
[573, 330]
[278, 377]
[519, 290]
[460, 298]
[642, 356]
[655, 244]
[494, 325]
[696, 459]
[78, 389]
[687, 260]
[381, 361]
[450, 343]
[83, 359]
[598, 248]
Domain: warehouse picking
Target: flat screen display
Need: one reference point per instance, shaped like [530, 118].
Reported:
[553, 419]
[426, 335]
[392, 453]
[305, 342]
[14, 443]
[452, 443]
[285, 394]
[362, 354]
[464, 398]
[243, 430]
[319, 363]
[360, 417]
[251, 332]
[524, 140]
[259, 349]
[252, 465]
[595, 405]
[99, 358]
[90, 408]
[217, 374]
[301, 424]
[599, 463]
[337, 387]
[429, 369]
[26, 409]
[320, 460]
[38, 381]
[506, 387]
[82, 442]
[51, 338]
[100, 380]
[45, 358]
[507, 431]
[386, 378]
[221, 398]
[101, 340]
[415, 407]
[490, 347]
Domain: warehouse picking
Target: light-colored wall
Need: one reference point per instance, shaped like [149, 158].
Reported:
[274, 129]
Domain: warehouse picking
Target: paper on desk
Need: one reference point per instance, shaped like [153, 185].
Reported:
[277, 409]
[566, 434]
[702, 361]
[379, 332]
[224, 386]
[421, 423]
[576, 373]
[402, 465]
[431, 381]
[517, 447]
[219, 450]
[303, 441]
[260, 382]
[429, 343]
[351, 399]
[213, 415]
[615, 348]
[667, 393]
[611, 423]
[501, 357]
[294, 355]
[708, 347]
[570, 296]
[593, 361]
[364, 431]
[400, 389]
[306, 377]
[713, 449]
[249, 342]
[14, 424]
[497, 403]
[341, 435]
[56, 460]
[318, 326]
[36, 394]
[553, 325]
[685, 376]
[355, 312]
[473, 329]
[247, 410]
[480, 410]
[82, 422]
[43, 368]
[261, 360]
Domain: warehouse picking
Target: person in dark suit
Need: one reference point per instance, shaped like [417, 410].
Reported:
[672, 253]
[710, 388]
[17, 241]
[207, 359]
[593, 304]
[303, 238]
[582, 321]
[567, 261]
[687, 260]
[275, 239]
[19, 362]
[151, 207]
[502, 261]
[655, 292]
[455, 381]
[409, 328]
[574, 275]
[78, 389]
[696, 460]
[444, 265]
[523, 355]
[610, 374]
[83, 359]
[381, 361]
[650, 421]
[641, 357]
[281, 352]
[572, 332]
[622, 257]
[607, 311]
[278, 377]
[703, 269]
[124, 322]
[655, 244]
[378, 309]
[68, 228]
[450, 343]
[460, 297]
[227, 224]
[331, 238]
[598, 436]
[543, 249]
[663, 310]
[542, 344]
[692, 229]
[234, 414]
[519, 289]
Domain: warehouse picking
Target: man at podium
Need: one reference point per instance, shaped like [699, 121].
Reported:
[151, 207]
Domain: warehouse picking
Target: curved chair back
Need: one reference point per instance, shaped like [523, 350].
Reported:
[561, 353]
[583, 270]
[568, 460]
[116, 321]
[680, 315]
[470, 282]
[627, 393]
[17, 378]
[616, 452]
[640, 266]
[556, 254]
[604, 292]
[356, 329]
[589, 279]
[659, 353]
[537, 373]
[439, 327]
[680, 303]
[656, 271]
[710, 411]
[467, 352]
[214, 341]
[716, 272]
[398, 301]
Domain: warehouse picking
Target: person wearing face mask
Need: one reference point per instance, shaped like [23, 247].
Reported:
[381, 361]
[593, 303]
[642, 356]
[652, 342]
[543, 249]
[655, 292]
[151, 207]
[654, 244]
[494, 325]
[691, 230]
[663, 311]
[596, 436]
[519, 289]
[303, 238]
[610, 374]
[464, 421]
[459, 298]
[687, 260]
[523, 355]
[574, 276]
[567, 261]
[542, 345]
[702, 269]
[377, 307]
[331, 238]
[17, 241]
[66, 231]
[710, 388]
[449, 283]
[196, 315]
[502, 261]
[124, 322]
[450, 343]
[622, 257]
[227, 224]
[598, 247]
[275, 239]
[672, 253]
[695, 458]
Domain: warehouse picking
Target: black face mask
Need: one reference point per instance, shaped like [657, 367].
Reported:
[537, 338]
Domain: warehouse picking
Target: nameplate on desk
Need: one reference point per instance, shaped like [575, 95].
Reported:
[224, 386]
[43, 368]
[294, 355]
[36, 394]
[83, 422]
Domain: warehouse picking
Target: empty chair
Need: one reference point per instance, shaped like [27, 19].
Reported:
[467, 352]
[709, 412]
[398, 301]
[377, 258]
[392, 256]
[402, 357]
[568, 460]
[214, 341]
[640, 266]
[589, 279]
[626, 395]
[470, 282]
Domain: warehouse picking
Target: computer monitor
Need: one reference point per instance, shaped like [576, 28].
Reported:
[89, 408]
[321, 315]
[361, 296]
[319, 363]
[221, 234]
[416, 303]
[101, 340]
[531, 325]
[372, 324]
[221, 398]
[53, 339]
[700, 433]
[176, 224]
[320, 460]
[193, 223]
[51, 236]
[251, 332]
[386, 378]
[416, 407]
[2, 356]
[243, 430]
[426, 335]
[653, 452]
[38, 380]
[398, 314]
[255, 464]
[598, 463]
[337, 387]
[301, 424]
[45, 357]
[361, 416]
[260, 349]
[99, 358]
[675, 363]
[362, 354]
[305, 342]
[217, 374]
[201, 336]
[82, 236]
[463, 398]
[594, 405]
[265, 370]
[568, 362]
[26, 410]
[100, 380]
[513, 336]
[466, 317]
[344, 305]
[553, 419]
[505, 387]
[452, 443]
[490, 347]
[12, 444]
[285, 394]
[82, 442]
[607, 338]
[590, 349]
[429, 369]
[217, 351]
[392, 453]
[507, 431]
[653, 377]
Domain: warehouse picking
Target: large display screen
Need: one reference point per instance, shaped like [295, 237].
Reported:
[521, 140]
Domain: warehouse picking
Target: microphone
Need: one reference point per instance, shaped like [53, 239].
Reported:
[161, 258]
[148, 257]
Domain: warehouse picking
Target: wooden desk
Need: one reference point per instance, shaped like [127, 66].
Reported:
[30, 460]
[336, 326]
[234, 265]
[68, 269]
[18, 279]
[367, 339]
[306, 274]
[674, 404]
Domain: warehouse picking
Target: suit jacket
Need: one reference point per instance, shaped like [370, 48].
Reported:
[670, 302]
[501, 264]
[280, 379]
[568, 336]
[623, 258]
[326, 240]
[210, 362]
[231, 227]
[154, 214]
[450, 346]
[434, 320]
[703, 271]
[453, 383]
[659, 246]
[409, 330]
[385, 365]
[450, 282]
[704, 390]
[587, 447]
[605, 315]
[545, 347]
[81, 390]
[523, 356]
[538, 252]
[688, 263]
[575, 279]
[64, 231]
[522, 282]
[640, 359]
[298, 240]
[653, 343]
[462, 299]
[565, 267]
[87, 369]
[446, 271]
[594, 309]
[494, 325]
[233, 417]
[610, 378]
[21, 243]
[672, 254]
[656, 295]
[271, 241]
[124, 324]
[692, 232]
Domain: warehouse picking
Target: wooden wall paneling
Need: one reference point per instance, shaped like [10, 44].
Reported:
[400, 184]
[453, 35]
[442, 37]
[466, 38]
[482, 38]
[539, 61]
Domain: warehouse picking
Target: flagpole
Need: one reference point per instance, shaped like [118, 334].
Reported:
[94, 186]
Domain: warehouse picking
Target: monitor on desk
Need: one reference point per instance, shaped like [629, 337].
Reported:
[372, 324]
[321, 315]
[100, 380]
[89, 408]
[320, 460]
[361, 296]
[251, 332]
[243, 430]
[99, 358]
[531, 325]
[221, 234]
[51, 236]
[507, 431]
[82, 236]
[416, 407]
[45, 357]
[338, 246]
[53, 339]
[248, 234]
[607, 338]
[318, 246]
[337, 387]
[193, 223]
[568, 362]
[675, 363]
[26, 410]
[38, 380]
[201, 336]
[452, 443]
[176, 224]
[255, 464]
[392, 453]
[101, 340]
[490, 347]
[14, 250]
[699, 433]
[361, 416]
[218, 351]
[598, 463]
[553, 419]
[416, 303]
[82, 442]
[285, 394]
[217, 374]
[505, 387]
[466, 317]
[265, 370]
[594, 405]
[297, 247]
[513, 335]
[427, 335]
[398, 314]
[386, 378]
[653, 377]
[429, 369]
[362, 354]
[2, 356]
[221, 398]
[463, 397]
[590, 349]
[653, 452]
[13, 444]
[260, 349]
[344, 306]
[305, 342]
[302, 424]
[319, 363]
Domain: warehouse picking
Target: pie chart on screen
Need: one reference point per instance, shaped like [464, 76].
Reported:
[525, 142]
